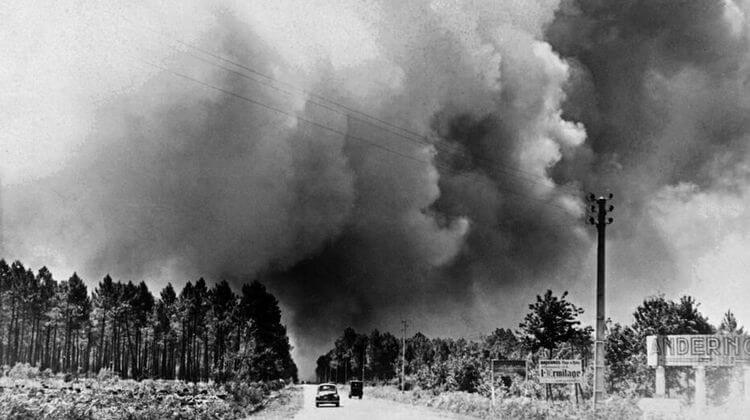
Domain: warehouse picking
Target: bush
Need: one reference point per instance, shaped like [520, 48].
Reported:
[23, 371]
[107, 375]
[468, 376]
[246, 395]
[511, 407]
[128, 399]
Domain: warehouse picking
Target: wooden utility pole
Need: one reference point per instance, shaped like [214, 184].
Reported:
[403, 356]
[492, 382]
[599, 206]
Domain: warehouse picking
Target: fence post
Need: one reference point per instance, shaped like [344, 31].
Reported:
[700, 387]
[661, 386]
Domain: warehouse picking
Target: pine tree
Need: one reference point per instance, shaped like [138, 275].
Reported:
[195, 336]
[729, 324]
[551, 322]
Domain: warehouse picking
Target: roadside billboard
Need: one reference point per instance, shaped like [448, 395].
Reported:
[509, 368]
[697, 350]
[560, 371]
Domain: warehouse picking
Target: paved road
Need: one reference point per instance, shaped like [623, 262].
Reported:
[366, 408]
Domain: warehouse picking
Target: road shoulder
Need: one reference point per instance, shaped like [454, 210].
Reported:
[282, 405]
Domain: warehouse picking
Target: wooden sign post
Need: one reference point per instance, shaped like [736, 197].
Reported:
[561, 371]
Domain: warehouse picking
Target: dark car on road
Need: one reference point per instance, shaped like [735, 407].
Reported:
[327, 394]
[355, 389]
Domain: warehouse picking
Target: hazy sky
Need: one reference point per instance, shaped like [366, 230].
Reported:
[380, 160]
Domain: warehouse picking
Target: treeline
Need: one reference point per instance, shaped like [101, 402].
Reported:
[432, 363]
[199, 334]
[457, 364]
[549, 330]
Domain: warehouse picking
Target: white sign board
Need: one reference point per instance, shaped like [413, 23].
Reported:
[697, 350]
[560, 371]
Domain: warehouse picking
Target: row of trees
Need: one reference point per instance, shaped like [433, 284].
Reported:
[434, 363]
[551, 329]
[201, 333]
[458, 364]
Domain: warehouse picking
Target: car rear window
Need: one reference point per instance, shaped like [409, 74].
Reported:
[326, 388]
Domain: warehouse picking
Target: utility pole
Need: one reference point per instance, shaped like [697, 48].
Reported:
[403, 356]
[600, 207]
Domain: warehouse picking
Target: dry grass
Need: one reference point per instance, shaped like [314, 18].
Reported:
[478, 406]
[283, 405]
[27, 395]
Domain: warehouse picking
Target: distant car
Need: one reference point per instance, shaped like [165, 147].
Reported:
[327, 394]
[355, 389]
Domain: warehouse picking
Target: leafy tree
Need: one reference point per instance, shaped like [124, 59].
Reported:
[467, 374]
[626, 345]
[657, 316]
[503, 344]
[729, 324]
[419, 353]
[382, 354]
[625, 360]
[551, 322]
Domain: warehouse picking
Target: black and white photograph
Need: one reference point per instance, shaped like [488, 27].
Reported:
[374, 209]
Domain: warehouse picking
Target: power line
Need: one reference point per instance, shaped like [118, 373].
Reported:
[419, 138]
[403, 355]
[342, 133]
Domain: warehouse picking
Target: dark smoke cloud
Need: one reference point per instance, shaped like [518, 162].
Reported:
[661, 88]
[125, 168]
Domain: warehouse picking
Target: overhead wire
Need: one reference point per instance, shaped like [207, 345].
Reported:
[369, 142]
[389, 127]
[345, 134]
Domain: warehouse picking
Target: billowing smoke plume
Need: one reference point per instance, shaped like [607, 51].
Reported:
[132, 151]
[662, 89]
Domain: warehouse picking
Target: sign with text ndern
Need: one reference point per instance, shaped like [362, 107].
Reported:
[560, 371]
[697, 350]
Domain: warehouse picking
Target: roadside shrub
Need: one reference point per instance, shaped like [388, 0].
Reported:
[511, 407]
[23, 371]
[276, 384]
[117, 399]
[468, 376]
[246, 394]
[107, 375]
[46, 374]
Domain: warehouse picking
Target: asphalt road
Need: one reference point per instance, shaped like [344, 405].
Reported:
[366, 408]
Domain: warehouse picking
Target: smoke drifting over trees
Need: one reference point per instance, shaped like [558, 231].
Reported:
[118, 160]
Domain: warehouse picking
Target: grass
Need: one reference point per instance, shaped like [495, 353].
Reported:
[26, 395]
[283, 406]
[476, 405]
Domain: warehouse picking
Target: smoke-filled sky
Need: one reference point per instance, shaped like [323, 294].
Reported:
[379, 160]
